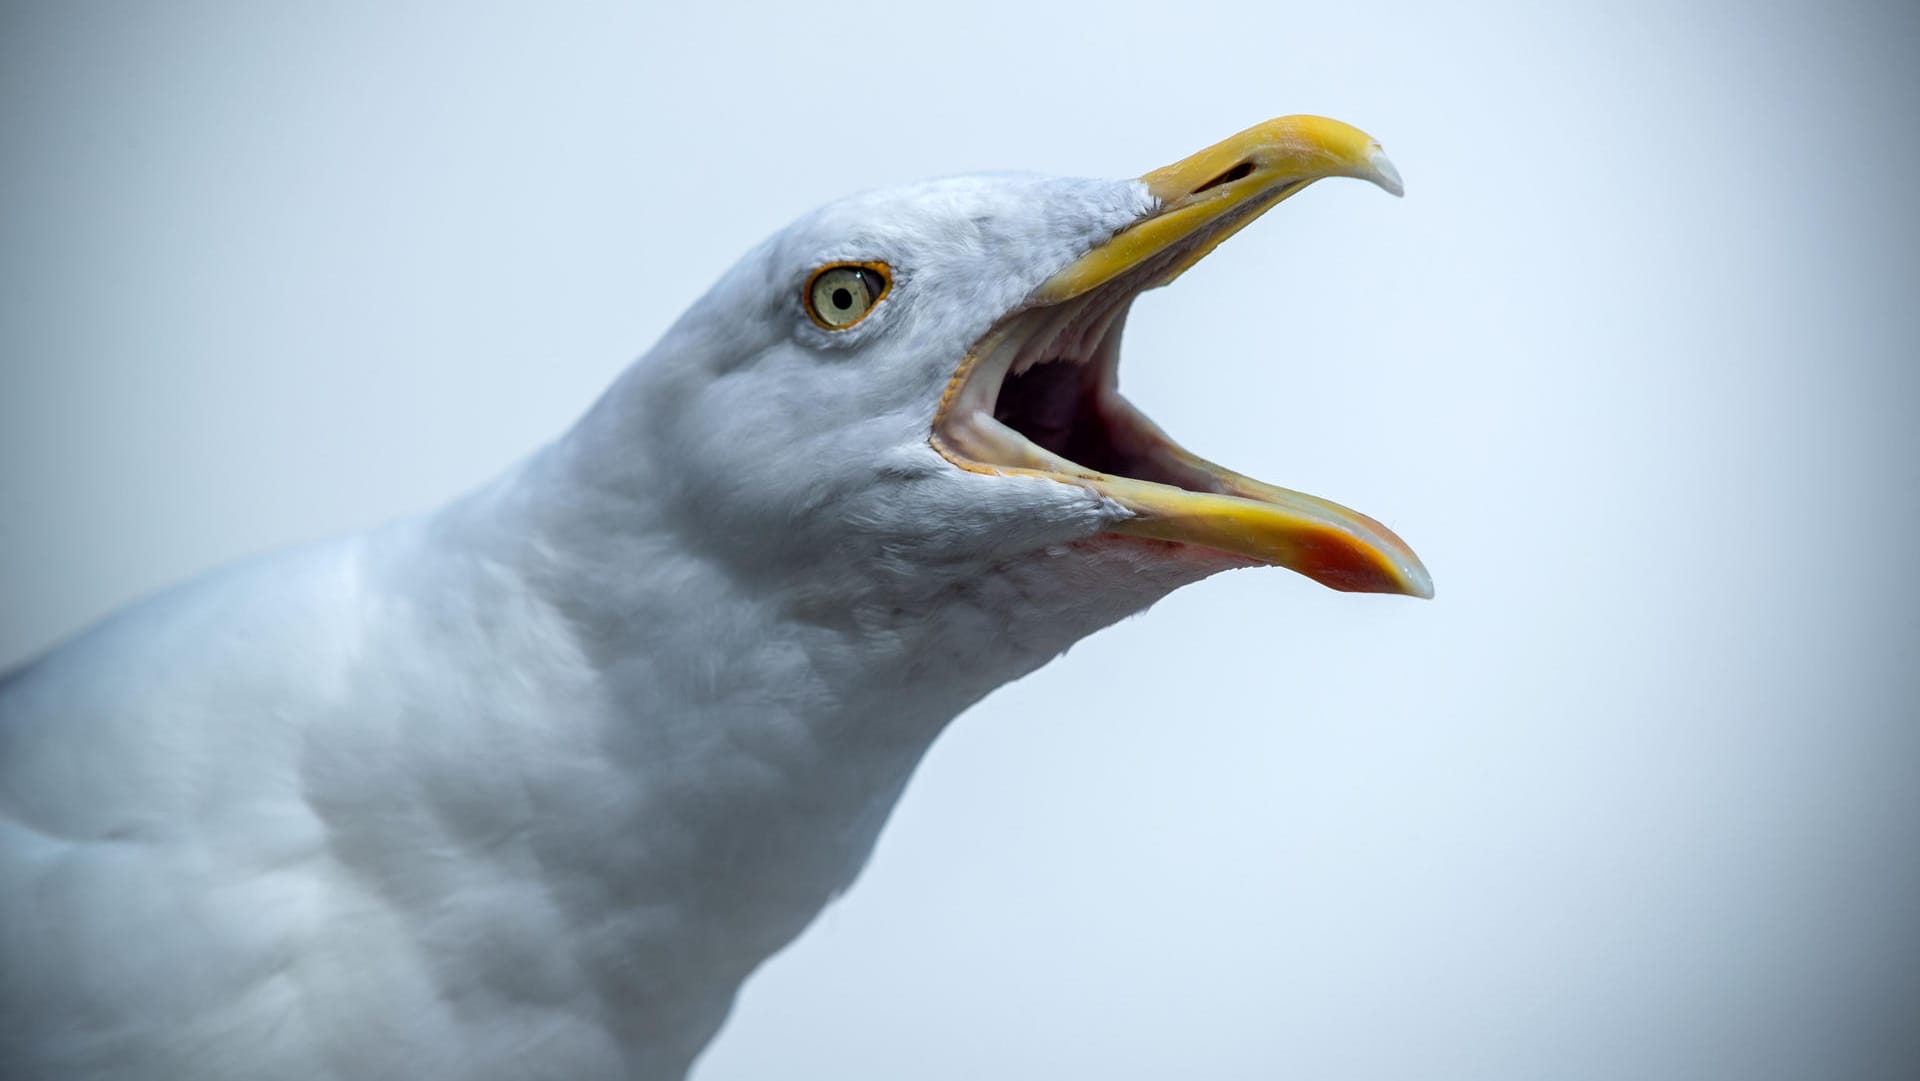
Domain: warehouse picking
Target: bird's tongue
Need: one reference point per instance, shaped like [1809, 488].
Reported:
[1177, 495]
[1198, 502]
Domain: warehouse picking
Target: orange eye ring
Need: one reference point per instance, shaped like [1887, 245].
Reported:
[839, 295]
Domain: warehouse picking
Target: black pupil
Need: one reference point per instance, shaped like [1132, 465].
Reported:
[842, 297]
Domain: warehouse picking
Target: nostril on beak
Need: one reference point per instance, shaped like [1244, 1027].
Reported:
[1228, 177]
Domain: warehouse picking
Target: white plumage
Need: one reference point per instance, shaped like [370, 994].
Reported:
[525, 787]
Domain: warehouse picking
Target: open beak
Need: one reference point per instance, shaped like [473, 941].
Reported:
[1038, 394]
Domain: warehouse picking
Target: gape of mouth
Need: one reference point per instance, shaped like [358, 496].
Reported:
[1067, 403]
[1040, 393]
[1038, 396]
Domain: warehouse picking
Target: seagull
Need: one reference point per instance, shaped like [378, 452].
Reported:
[525, 787]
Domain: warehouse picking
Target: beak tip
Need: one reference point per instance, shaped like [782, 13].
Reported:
[1380, 170]
[1416, 580]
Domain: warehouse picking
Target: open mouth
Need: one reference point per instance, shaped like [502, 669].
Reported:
[1038, 394]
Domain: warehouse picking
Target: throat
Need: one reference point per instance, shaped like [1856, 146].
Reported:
[1059, 406]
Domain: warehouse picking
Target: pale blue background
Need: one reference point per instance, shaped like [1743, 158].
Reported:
[1632, 367]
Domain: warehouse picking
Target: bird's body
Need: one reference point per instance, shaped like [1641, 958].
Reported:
[466, 801]
[525, 787]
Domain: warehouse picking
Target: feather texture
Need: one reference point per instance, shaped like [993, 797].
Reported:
[526, 787]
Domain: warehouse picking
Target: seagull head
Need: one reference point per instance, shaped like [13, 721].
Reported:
[922, 385]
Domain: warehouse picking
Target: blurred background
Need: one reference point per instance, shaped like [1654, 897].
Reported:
[1632, 367]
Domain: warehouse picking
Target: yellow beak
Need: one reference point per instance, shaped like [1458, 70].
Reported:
[1174, 494]
[1213, 194]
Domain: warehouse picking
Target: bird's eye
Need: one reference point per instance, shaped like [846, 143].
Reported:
[841, 294]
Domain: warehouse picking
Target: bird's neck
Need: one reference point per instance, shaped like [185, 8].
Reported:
[746, 729]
